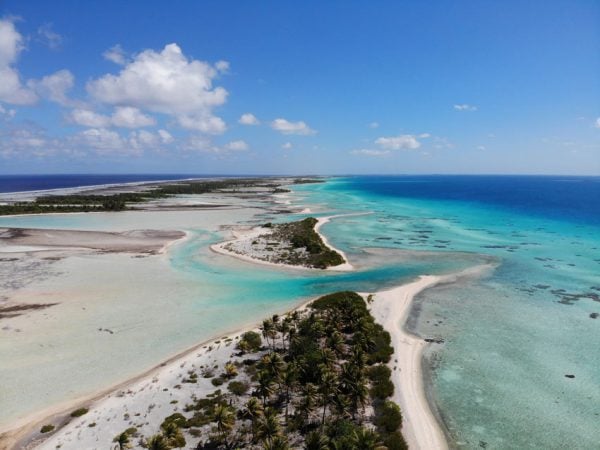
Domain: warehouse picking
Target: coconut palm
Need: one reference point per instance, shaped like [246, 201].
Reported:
[224, 418]
[253, 412]
[265, 385]
[366, 440]
[158, 442]
[123, 441]
[327, 388]
[289, 379]
[174, 435]
[337, 343]
[230, 370]
[268, 426]
[276, 443]
[316, 441]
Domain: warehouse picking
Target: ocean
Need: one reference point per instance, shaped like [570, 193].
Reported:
[497, 381]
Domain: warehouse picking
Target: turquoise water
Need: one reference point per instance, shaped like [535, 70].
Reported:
[498, 380]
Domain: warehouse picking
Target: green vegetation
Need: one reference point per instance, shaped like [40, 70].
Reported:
[47, 428]
[121, 201]
[249, 342]
[79, 412]
[320, 383]
[295, 243]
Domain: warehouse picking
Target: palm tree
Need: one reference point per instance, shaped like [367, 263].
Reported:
[289, 379]
[123, 441]
[265, 385]
[253, 411]
[276, 443]
[230, 370]
[327, 388]
[336, 343]
[308, 400]
[268, 426]
[267, 329]
[174, 435]
[316, 441]
[366, 440]
[157, 442]
[225, 419]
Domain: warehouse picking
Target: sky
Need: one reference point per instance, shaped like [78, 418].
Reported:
[313, 87]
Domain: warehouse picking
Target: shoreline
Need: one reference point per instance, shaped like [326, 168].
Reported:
[23, 434]
[243, 235]
[391, 309]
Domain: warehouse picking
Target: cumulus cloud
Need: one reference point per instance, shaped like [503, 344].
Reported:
[123, 117]
[47, 36]
[55, 87]
[11, 45]
[597, 124]
[465, 107]
[374, 125]
[249, 119]
[165, 136]
[166, 82]
[129, 117]
[116, 54]
[287, 146]
[404, 141]
[286, 127]
[237, 146]
[370, 152]
[8, 113]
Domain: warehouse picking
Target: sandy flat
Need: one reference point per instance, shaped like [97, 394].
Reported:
[136, 241]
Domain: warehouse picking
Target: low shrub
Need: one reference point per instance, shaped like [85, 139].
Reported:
[238, 387]
[389, 417]
[47, 428]
[79, 412]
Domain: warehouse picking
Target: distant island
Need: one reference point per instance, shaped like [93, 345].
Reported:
[294, 244]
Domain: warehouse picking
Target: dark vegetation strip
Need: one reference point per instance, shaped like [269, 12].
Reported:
[120, 201]
[318, 381]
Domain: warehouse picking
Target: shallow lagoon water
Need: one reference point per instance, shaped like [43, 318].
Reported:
[497, 381]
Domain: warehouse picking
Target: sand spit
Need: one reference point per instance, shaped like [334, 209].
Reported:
[136, 241]
[244, 236]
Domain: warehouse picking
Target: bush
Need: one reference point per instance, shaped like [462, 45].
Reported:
[47, 428]
[395, 441]
[217, 381]
[381, 384]
[389, 417]
[79, 412]
[238, 387]
[177, 418]
[252, 341]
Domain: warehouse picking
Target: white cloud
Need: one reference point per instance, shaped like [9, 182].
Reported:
[123, 117]
[103, 140]
[47, 36]
[249, 119]
[55, 87]
[374, 125]
[404, 141]
[237, 146]
[9, 113]
[222, 66]
[597, 124]
[11, 45]
[481, 147]
[465, 107]
[166, 82]
[287, 146]
[165, 136]
[87, 118]
[286, 127]
[370, 152]
[129, 117]
[116, 54]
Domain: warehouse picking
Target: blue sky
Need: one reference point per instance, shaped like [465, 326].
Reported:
[300, 87]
